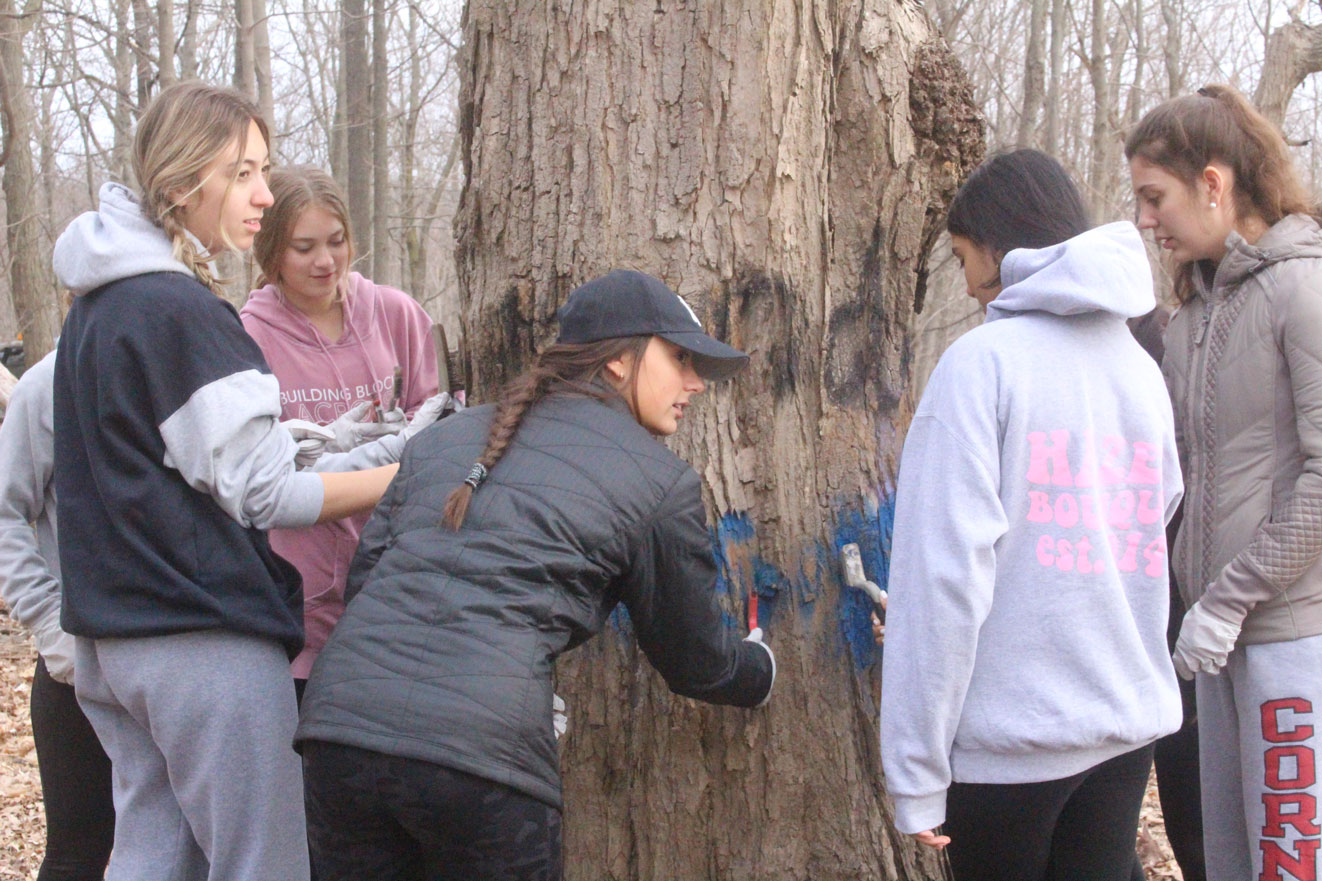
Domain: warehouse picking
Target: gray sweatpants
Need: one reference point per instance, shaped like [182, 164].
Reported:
[198, 728]
[1258, 723]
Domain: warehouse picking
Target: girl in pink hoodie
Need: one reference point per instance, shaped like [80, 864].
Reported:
[334, 340]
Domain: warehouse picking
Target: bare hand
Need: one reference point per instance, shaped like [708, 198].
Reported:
[931, 839]
[878, 629]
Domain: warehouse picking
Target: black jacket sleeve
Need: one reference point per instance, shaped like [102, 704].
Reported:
[670, 592]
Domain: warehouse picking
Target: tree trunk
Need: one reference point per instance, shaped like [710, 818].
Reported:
[357, 121]
[261, 65]
[1294, 51]
[382, 267]
[784, 166]
[188, 42]
[165, 38]
[1057, 54]
[142, 25]
[34, 302]
[1033, 75]
[245, 76]
[1172, 18]
[120, 164]
[1098, 170]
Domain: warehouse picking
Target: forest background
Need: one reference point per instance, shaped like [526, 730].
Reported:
[369, 89]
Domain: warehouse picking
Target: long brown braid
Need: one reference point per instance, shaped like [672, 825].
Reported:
[578, 368]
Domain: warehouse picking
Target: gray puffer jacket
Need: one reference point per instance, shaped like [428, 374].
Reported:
[446, 648]
[1244, 367]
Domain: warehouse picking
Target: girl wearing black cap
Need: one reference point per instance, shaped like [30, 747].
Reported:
[510, 534]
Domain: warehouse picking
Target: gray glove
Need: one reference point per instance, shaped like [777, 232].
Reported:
[559, 715]
[429, 412]
[56, 648]
[311, 439]
[350, 431]
[1205, 641]
[755, 636]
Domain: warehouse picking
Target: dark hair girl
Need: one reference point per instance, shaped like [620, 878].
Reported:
[510, 535]
[1026, 675]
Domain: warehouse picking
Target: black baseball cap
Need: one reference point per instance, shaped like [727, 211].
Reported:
[625, 302]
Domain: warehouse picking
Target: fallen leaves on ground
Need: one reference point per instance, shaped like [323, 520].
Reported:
[23, 825]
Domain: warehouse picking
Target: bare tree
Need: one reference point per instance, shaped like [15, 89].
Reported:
[33, 299]
[165, 39]
[357, 119]
[1033, 75]
[1294, 51]
[786, 169]
[382, 268]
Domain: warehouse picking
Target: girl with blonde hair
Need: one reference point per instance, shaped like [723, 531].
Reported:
[170, 464]
[336, 341]
[1243, 362]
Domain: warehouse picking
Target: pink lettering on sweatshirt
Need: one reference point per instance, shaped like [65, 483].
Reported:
[1099, 502]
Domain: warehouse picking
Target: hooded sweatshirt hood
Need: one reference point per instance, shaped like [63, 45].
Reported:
[1102, 270]
[116, 241]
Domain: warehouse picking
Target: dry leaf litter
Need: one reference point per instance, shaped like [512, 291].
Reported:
[22, 824]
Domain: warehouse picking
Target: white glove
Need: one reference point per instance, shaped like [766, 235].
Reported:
[559, 718]
[350, 431]
[56, 648]
[1205, 641]
[311, 439]
[429, 412]
[755, 635]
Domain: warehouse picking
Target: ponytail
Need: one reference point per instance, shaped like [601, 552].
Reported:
[577, 367]
[1217, 124]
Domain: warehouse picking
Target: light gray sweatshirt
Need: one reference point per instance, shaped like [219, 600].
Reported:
[29, 558]
[1026, 633]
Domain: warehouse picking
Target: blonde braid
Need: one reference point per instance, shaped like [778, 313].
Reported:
[186, 253]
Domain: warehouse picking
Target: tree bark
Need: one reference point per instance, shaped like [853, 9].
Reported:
[1294, 51]
[120, 165]
[357, 122]
[35, 307]
[142, 27]
[166, 38]
[245, 75]
[1172, 18]
[188, 42]
[1033, 74]
[785, 166]
[382, 267]
[1056, 52]
[261, 65]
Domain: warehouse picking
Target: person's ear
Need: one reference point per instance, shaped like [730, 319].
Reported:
[617, 369]
[1216, 180]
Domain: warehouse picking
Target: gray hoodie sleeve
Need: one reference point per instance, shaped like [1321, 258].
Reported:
[948, 519]
[227, 441]
[29, 564]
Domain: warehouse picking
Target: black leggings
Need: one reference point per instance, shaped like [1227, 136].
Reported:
[387, 818]
[1080, 828]
[75, 784]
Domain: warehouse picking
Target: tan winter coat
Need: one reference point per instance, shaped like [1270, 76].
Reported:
[1244, 367]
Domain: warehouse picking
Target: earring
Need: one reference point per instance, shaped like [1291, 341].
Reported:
[1213, 205]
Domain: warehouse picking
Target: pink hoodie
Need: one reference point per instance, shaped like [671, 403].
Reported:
[319, 380]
